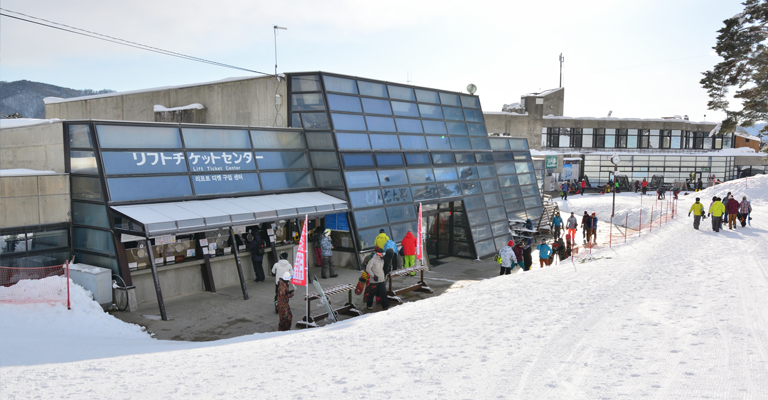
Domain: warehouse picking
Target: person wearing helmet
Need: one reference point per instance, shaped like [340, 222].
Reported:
[284, 292]
[327, 247]
[279, 269]
[544, 253]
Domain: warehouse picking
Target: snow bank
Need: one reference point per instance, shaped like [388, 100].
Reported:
[18, 122]
[193, 106]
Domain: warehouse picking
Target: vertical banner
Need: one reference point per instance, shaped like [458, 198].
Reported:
[300, 265]
[418, 237]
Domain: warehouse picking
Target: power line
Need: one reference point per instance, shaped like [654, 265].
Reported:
[95, 35]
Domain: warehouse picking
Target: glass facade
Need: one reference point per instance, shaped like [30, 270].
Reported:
[398, 145]
[604, 138]
[673, 167]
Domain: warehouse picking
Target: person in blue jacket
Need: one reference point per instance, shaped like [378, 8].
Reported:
[594, 228]
[557, 224]
[544, 253]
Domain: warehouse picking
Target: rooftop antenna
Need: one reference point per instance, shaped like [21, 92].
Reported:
[276, 28]
[561, 69]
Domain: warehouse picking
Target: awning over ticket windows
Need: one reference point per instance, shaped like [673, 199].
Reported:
[203, 215]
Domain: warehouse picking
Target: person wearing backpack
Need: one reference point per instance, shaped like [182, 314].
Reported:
[257, 247]
[557, 224]
[745, 208]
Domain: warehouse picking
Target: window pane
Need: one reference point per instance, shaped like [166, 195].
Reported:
[481, 232]
[417, 159]
[80, 136]
[483, 157]
[499, 144]
[361, 179]
[470, 102]
[116, 163]
[84, 188]
[477, 129]
[531, 190]
[454, 114]
[324, 159]
[306, 83]
[89, 214]
[456, 128]
[405, 109]
[480, 143]
[438, 143]
[442, 158]
[375, 106]
[357, 160]
[368, 236]
[408, 142]
[320, 140]
[531, 202]
[372, 217]
[499, 156]
[428, 111]
[450, 99]
[286, 180]
[82, 162]
[486, 171]
[380, 124]
[490, 186]
[353, 141]
[397, 195]
[392, 177]
[473, 203]
[338, 102]
[93, 240]
[401, 93]
[146, 188]
[473, 115]
[118, 136]
[307, 102]
[523, 167]
[389, 159]
[225, 183]
[478, 217]
[399, 230]
[446, 174]
[448, 189]
[464, 158]
[513, 205]
[518, 144]
[421, 175]
[496, 214]
[47, 240]
[493, 199]
[408, 125]
[277, 140]
[314, 121]
[372, 89]
[424, 192]
[328, 179]
[471, 187]
[385, 142]
[427, 96]
[347, 122]
[334, 84]
[401, 213]
[434, 127]
[506, 168]
[460, 143]
[365, 198]
[508, 180]
[282, 160]
[510, 193]
[468, 172]
[195, 138]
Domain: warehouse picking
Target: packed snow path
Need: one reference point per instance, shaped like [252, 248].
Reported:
[676, 314]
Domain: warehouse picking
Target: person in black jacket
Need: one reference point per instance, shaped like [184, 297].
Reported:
[257, 248]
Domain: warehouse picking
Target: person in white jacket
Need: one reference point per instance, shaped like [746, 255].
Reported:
[279, 269]
[377, 280]
[508, 258]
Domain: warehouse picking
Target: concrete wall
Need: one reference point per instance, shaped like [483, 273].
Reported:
[248, 102]
[516, 125]
[38, 147]
[34, 200]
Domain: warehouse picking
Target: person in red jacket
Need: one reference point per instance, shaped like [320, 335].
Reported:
[732, 206]
[583, 186]
[409, 250]
[644, 185]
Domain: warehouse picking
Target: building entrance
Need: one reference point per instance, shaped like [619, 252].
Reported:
[447, 231]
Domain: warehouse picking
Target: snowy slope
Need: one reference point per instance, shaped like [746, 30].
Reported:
[674, 314]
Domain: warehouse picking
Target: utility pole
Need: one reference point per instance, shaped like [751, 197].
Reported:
[561, 69]
[276, 28]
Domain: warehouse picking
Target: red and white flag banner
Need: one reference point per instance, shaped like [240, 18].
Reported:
[300, 266]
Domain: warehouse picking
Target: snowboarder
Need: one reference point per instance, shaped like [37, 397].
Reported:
[716, 210]
[544, 253]
[279, 269]
[745, 208]
[258, 247]
[698, 210]
[571, 225]
[377, 280]
[327, 246]
[586, 225]
[508, 259]
[284, 292]
[732, 209]
[593, 228]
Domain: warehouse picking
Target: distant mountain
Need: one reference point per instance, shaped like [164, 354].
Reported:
[26, 97]
[755, 130]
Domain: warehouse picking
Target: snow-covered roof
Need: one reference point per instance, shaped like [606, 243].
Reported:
[747, 136]
[628, 119]
[505, 113]
[738, 152]
[544, 93]
[25, 172]
[18, 122]
[54, 100]
[193, 106]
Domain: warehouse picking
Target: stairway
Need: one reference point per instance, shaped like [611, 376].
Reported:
[550, 209]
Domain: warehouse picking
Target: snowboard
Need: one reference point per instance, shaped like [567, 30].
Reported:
[362, 283]
[324, 300]
[593, 259]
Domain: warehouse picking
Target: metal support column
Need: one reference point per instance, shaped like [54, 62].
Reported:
[236, 252]
[159, 292]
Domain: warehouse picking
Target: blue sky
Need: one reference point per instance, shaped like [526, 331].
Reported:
[639, 59]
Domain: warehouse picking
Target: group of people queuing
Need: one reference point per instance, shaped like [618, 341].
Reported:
[722, 211]
[588, 227]
[379, 264]
[641, 186]
[574, 187]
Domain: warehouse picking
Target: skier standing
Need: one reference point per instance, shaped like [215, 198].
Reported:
[571, 226]
[557, 224]
[593, 228]
[508, 258]
[698, 210]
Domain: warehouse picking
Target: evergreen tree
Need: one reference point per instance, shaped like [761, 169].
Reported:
[743, 45]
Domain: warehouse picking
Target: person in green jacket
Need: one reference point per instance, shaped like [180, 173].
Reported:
[381, 240]
[698, 210]
[716, 211]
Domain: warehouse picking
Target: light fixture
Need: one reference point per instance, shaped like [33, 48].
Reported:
[471, 88]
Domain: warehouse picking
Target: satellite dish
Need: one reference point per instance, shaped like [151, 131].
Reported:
[471, 88]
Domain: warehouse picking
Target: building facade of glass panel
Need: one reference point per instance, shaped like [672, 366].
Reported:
[391, 146]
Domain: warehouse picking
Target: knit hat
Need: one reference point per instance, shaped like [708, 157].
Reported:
[543, 240]
[283, 256]
[698, 199]
[511, 243]
[744, 198]
[287, 276]
[520, 244]
[327, 232]
[593, 213]
[382, 230]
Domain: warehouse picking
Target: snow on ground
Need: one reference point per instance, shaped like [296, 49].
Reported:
[674, 314]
